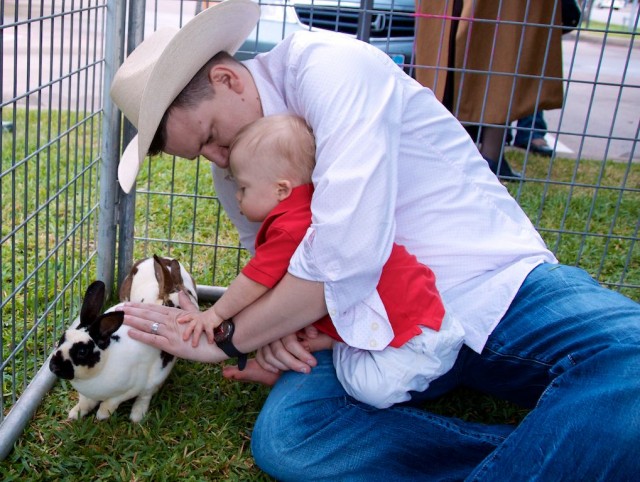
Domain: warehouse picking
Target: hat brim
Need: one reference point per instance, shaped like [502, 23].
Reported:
[222, 27]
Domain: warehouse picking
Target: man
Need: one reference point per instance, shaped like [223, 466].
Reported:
[393, 165]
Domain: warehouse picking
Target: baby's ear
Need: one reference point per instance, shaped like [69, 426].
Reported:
[284, 189]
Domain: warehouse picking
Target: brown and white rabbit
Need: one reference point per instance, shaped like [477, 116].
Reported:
[99, 358]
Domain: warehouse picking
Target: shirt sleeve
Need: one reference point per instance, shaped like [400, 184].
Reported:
[271, 260]
[351, 94]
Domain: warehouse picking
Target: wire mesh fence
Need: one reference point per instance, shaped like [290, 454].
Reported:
[52, 79]
[584, 198]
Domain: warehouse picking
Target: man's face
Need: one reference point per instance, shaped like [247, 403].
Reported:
[193, 132]
[208, 129]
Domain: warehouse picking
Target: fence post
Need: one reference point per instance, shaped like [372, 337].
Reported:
[135, 35]
[364, 20]
[21, 413]
[113, 49]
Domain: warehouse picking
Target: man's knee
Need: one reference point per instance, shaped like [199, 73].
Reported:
[279, 443]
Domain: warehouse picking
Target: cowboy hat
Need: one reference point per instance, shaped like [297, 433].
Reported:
[153, 75]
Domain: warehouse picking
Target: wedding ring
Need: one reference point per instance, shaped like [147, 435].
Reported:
[154, 328]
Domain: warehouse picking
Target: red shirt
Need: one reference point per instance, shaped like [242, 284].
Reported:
[407, 288]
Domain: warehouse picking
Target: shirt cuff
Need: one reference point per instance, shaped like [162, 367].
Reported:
[365, 325]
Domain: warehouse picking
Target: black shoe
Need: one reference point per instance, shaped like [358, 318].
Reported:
[505, 171]
[538, 146]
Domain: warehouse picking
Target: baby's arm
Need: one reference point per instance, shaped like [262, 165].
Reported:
[241, 293]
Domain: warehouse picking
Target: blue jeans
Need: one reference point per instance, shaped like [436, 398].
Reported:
[567, 347]
[532, 126]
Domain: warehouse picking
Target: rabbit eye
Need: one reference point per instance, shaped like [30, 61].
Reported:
[83, 354]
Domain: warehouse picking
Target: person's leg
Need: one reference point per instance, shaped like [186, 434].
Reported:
[530, 132]
[491, 149]
[577, 346]
[382, 378]
[524, 130]
[310, 429]
[566, 346]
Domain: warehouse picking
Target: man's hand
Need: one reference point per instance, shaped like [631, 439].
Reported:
[292, 352]
[168, 336]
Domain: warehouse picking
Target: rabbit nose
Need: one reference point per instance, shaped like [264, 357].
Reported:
[60, 367]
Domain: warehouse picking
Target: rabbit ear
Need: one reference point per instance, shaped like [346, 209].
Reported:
[92, 303]
[125, 288]
[163, 276]
[176, 276]
[105, 326]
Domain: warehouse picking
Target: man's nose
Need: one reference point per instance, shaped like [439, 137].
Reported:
[216, 155]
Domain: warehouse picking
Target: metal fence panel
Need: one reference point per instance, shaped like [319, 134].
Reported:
[52, 83]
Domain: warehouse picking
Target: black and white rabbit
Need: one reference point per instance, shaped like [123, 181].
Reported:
[99, 358]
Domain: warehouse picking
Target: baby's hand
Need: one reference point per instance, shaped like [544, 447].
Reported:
[198, 323]
[186, 318]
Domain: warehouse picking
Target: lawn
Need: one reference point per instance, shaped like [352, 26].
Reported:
[199, 425]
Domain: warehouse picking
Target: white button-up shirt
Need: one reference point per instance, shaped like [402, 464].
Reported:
[392, 165]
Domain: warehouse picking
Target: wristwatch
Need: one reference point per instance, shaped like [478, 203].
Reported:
[222, 336]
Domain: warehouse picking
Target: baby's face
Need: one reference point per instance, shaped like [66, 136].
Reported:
[257, 188]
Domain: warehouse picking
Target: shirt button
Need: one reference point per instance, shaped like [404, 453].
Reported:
[374, 326]
[373, 344]
[332, 313]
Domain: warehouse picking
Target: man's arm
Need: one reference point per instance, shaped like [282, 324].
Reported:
[291, 305]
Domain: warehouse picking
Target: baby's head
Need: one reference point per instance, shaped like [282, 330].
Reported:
[278, 146]
[268, 158]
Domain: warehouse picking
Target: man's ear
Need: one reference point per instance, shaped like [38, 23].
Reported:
[226, 75]
[284, 189]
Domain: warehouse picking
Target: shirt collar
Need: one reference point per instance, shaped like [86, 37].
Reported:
[300, 196]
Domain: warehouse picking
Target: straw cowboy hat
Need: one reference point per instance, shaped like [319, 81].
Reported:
[158, 69]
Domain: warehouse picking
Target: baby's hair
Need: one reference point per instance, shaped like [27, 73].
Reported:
[285, 138]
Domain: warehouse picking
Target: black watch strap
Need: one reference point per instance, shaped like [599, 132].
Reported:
[222, 336]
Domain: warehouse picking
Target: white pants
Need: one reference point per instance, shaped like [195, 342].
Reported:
[385, 377]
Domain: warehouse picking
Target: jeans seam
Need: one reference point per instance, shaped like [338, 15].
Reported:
[528, 359]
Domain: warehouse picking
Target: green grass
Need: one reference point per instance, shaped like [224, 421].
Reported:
[198, 428]
[199, 425]
[587, 213]
[612, 30]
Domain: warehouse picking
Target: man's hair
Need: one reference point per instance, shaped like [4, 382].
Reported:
[284, 138]
[197, 90]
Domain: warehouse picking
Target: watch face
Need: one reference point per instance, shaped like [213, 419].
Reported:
[223, 332]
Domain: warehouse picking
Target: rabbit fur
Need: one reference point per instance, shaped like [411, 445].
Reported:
[99, 358]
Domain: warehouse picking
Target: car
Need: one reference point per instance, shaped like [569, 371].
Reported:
[615, 4]
[386, 24]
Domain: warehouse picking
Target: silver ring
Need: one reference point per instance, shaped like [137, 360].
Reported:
[154, 328]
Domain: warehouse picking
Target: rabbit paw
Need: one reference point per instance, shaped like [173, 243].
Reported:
[83, 407]
[74, 413]
[105, 411]
[139, 409]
